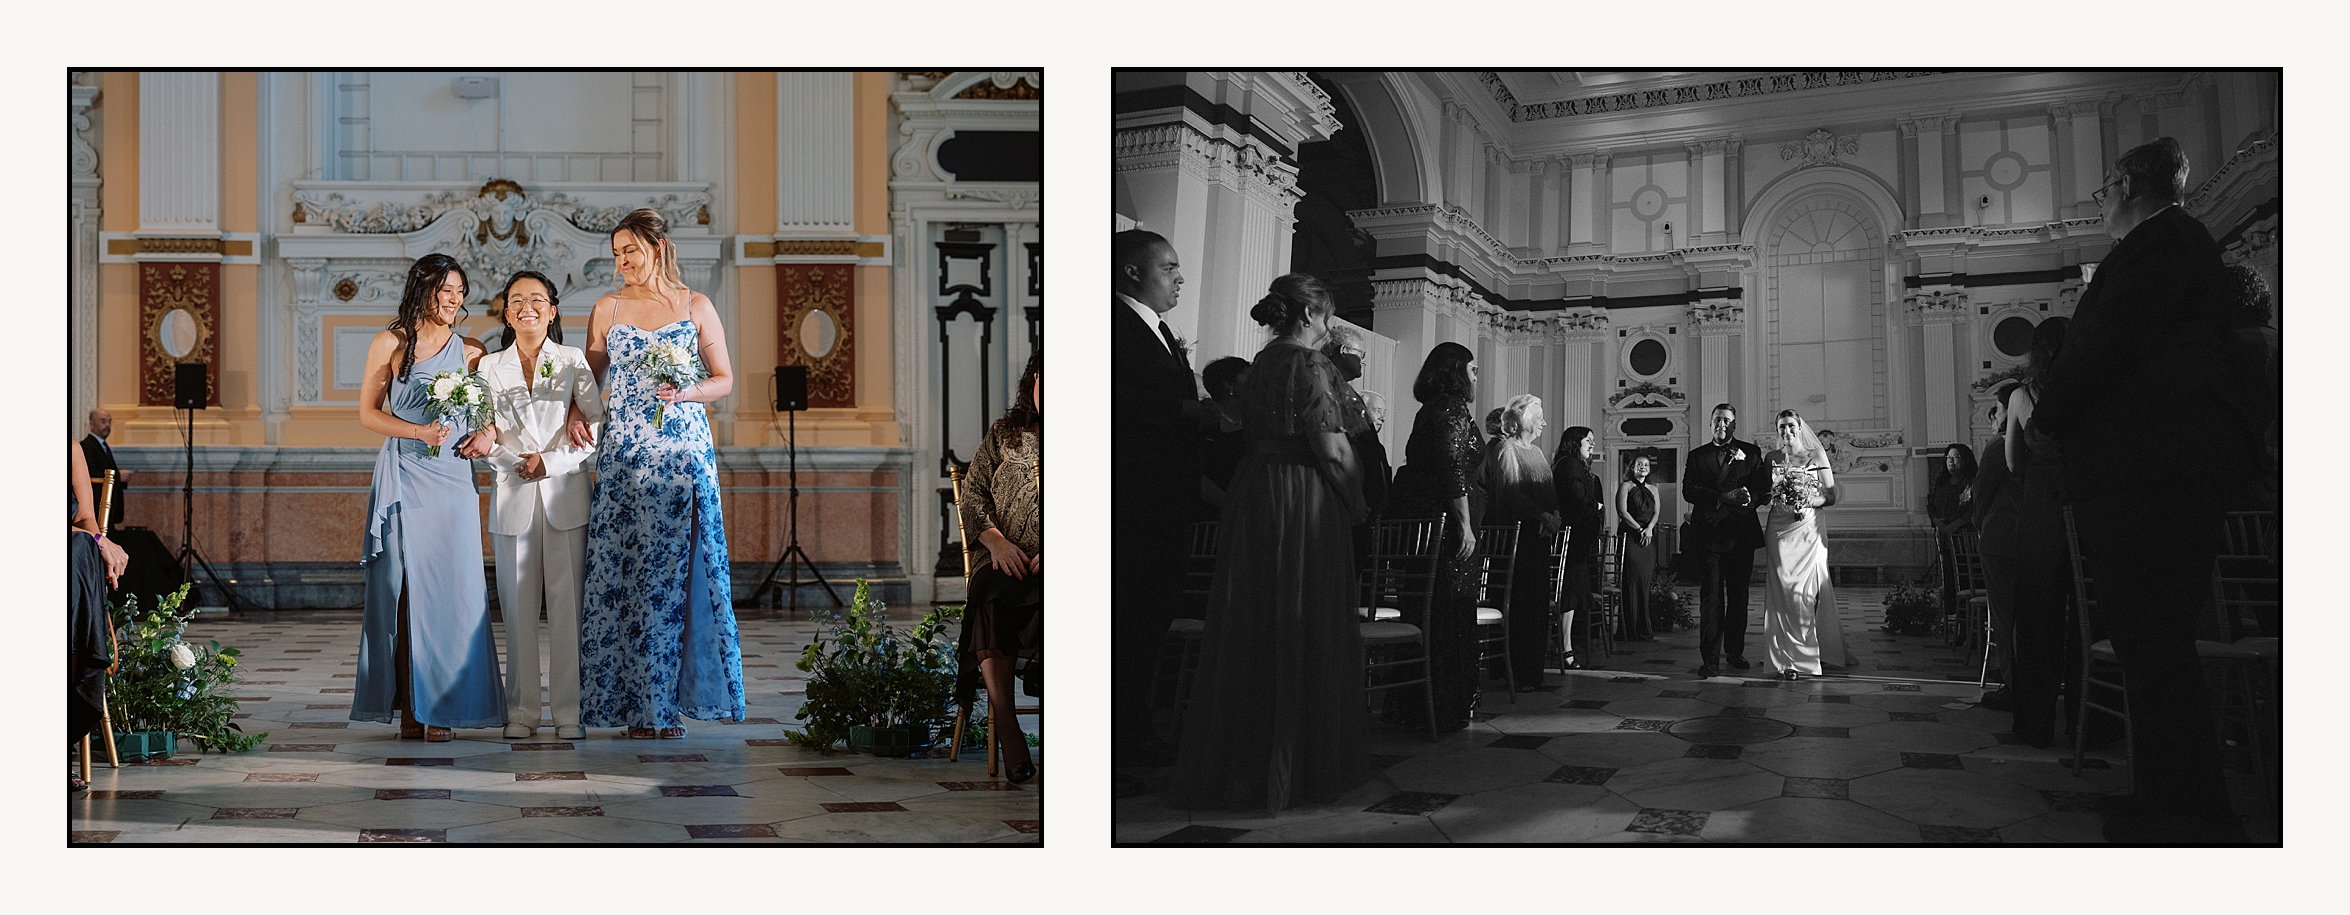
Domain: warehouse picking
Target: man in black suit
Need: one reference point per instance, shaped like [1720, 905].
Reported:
[1723, 481]
[2149, 349]
[1155, 422]
[101, 459]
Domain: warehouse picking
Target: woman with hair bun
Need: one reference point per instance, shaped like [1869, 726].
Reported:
[1276, 716]
[657, 634]
[425, 648]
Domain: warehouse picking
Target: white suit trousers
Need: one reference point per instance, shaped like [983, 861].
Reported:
[553, 563]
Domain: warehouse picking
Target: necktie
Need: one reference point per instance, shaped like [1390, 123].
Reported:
[1168, 334]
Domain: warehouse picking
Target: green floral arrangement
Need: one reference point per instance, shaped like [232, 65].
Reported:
[1669, 607]
[163, 683]
[864, 672]
[1912, 608]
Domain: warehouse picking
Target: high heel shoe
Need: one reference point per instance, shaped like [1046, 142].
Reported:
[1021, 773]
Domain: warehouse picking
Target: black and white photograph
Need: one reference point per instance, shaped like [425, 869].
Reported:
[1757, 457]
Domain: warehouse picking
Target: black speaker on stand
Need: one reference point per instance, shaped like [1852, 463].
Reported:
[791, 396]
[190, 392]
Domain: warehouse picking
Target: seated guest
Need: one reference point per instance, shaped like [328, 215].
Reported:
[100, 456]
[1947, 507]
[1004, 620]
[1518, 491]
[1221, 443]
[89, 556]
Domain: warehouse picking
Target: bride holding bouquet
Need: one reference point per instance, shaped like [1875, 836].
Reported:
[1801, 630]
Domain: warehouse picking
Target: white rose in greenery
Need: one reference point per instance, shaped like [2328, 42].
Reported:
[181, 657]
[443, 386]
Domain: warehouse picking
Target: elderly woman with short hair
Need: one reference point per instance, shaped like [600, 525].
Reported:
[1518, 490]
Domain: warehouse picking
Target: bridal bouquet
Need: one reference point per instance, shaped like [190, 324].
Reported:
[1795, 489]
[460, 394]
[670, 364]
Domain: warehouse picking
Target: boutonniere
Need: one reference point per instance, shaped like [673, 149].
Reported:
[1182, 346]
[547, 366]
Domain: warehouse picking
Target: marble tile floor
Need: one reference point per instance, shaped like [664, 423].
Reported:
[1890, 751]
[321, 778]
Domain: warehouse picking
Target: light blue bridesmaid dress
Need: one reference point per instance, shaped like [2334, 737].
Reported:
[657, 634]
[424, 531]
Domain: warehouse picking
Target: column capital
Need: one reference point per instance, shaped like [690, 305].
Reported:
[1937, 305]
[1717, 317]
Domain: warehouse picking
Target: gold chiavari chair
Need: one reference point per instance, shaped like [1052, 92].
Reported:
[1404, 565]
[104, 487]
[997, 718]
[1496, 560]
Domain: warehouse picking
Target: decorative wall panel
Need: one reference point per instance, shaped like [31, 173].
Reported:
[164, 288]
[815, 319]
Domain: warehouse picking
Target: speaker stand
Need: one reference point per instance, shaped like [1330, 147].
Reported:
[792, 552]
[190, 559]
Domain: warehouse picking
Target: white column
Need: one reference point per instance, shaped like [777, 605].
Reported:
[1580, 188]
[1930, 200]
[1717, 197]
[2088, 152]
[815, 153]
[1597, 203]
[82, 391]
[1542, 210]
[179, 154]
[1938, 311]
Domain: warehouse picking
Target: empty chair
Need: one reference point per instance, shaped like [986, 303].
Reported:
[1395, 652]
[1496, 559]
[1556, 651]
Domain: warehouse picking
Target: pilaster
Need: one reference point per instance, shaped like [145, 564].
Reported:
[83, 215]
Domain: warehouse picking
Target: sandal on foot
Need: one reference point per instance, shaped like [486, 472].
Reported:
[672, 733]
[640, 733]
[436, 734]
[410, 729]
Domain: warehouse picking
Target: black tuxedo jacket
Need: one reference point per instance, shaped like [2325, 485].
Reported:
[1155, 482]
[1713, 523]
[100, 461]
[2149, 352]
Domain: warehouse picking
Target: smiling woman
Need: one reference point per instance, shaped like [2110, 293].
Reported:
[425, 647]
[657, 628]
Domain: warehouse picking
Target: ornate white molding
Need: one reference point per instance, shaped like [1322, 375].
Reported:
[1977, 236]
[1709, 317]
[1819, 148]
[387, 208]
[1235, 161]
[1937, 306]
[179, 153]
[1583, 324]
[1744, 87]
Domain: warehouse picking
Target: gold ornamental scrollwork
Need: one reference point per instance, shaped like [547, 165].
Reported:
[165, 288]
[830, 289]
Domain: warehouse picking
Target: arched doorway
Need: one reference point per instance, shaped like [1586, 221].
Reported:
[1823, 335]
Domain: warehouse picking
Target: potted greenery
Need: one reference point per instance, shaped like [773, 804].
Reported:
[164, 688]
[877, 686]
[1912, 608]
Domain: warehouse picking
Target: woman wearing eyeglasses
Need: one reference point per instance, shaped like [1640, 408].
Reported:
[539, 503]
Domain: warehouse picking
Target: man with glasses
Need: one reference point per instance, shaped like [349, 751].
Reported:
[2149, 349]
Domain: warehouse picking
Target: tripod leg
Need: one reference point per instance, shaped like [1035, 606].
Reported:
[795, 550]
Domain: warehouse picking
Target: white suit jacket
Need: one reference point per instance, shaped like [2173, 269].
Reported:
[531, 412]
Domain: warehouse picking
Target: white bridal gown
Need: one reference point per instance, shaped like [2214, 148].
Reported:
[1800, 625]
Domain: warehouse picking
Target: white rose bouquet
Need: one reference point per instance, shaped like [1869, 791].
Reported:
[670, 364]
[460, 394]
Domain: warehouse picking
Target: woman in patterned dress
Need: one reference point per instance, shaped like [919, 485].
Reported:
[658, 642]
[1003, 501]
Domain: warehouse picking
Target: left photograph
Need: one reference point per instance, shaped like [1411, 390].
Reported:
[519, 457]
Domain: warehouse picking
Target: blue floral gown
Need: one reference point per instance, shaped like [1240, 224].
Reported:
[423, 537]
[657, 634]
